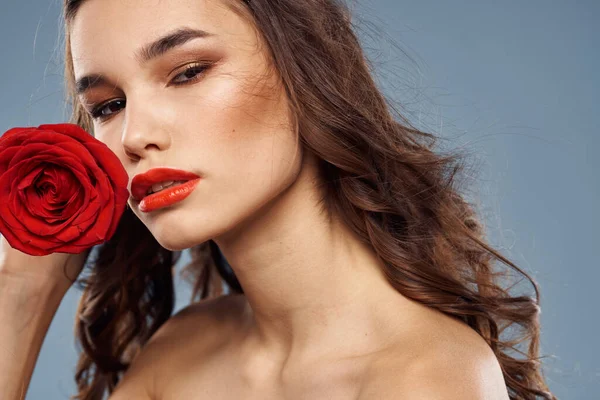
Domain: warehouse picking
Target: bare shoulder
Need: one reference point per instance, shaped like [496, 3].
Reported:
[444, 360]
[191, 334]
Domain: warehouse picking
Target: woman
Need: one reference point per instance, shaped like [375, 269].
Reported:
[333, 252]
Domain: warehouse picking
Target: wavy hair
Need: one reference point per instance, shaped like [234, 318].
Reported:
[378, 172]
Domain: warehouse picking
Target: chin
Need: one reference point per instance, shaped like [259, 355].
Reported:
[178, 244]
[173, 246]
[174, 238]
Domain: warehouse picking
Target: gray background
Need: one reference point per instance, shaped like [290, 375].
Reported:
[515, 81]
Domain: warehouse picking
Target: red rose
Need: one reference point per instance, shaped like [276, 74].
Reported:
[61, 189]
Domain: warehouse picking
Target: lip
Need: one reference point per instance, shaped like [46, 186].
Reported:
[142, 182]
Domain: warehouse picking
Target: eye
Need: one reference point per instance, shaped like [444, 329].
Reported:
[98, 112]
[192, 72]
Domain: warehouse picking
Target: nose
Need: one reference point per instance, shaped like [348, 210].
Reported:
[143, 132]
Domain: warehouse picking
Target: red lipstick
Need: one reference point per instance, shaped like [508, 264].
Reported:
[142, 183]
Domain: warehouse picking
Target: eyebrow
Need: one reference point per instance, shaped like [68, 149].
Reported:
[150, 51]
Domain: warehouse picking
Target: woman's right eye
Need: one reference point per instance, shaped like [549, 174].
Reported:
[100, 111]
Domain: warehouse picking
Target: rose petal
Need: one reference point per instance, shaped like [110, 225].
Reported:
[110, 163]
[13, 237]
[16, 136]
[30, 176]
[6, 213]
[52, 156]
[73, 130]
[81, 152]
[6, 154]
[33, 150]
[90, 207]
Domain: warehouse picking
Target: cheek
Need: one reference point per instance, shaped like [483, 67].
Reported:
[264, 151]
[260, 165]
[239, 108]
[249, 135]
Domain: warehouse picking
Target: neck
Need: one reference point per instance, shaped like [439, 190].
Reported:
[311, 285]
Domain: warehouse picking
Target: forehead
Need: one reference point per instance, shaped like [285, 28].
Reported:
[105, 31]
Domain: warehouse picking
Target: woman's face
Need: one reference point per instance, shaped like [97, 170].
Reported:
[228, 122]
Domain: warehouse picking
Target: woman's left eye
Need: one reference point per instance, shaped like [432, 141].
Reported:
[192, 72]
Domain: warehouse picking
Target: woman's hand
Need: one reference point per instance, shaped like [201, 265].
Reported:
[31, 290]
[57, 269]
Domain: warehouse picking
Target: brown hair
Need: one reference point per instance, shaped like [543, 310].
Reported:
[378, 172]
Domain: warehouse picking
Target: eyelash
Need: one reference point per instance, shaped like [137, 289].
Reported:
[96, 111]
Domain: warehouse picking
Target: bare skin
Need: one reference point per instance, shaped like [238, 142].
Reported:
[318, 319]
[208, 351]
